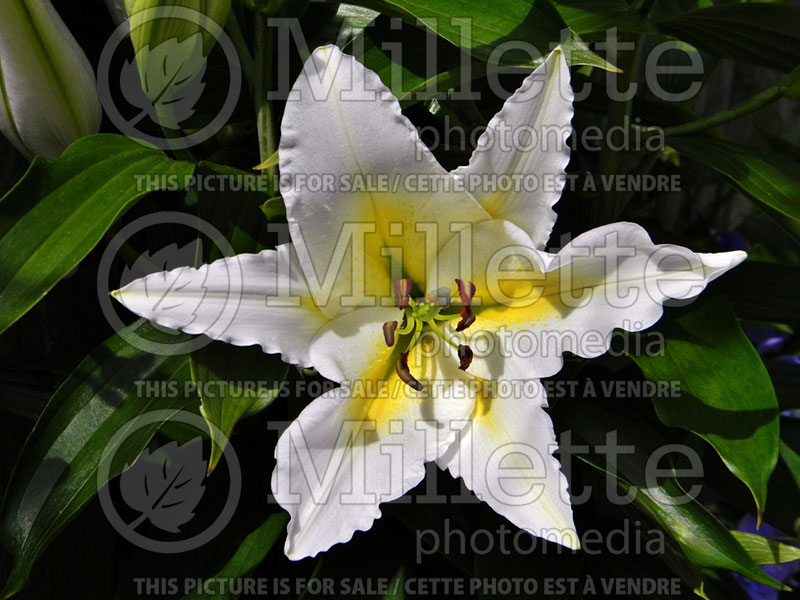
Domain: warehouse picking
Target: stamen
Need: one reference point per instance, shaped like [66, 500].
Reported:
[466, 291]
[403, 289]
[447, 317]
[438, 331]
[467, 319]
[405, 373]
[389, 329]
[464, 356]
[421, 314]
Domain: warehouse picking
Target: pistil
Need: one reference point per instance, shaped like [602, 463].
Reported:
[417, 314]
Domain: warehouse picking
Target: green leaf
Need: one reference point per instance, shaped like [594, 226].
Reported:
[61, 208]
[704, 540]
[597, 16]
[57, 472]
[270, 162]
[726, 395]
[792, 460]
[762, 33]
[397, 586]
[406, 71]
[768, 177]
[783, 510]
[274, 207]
[790, 85]
[790, 445]
[766, 551]
[249, 555]
[234, 383]
[578, 53]
[719, 585]
[481, 27]
[232, 205]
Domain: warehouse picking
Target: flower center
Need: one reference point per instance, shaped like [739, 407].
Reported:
[431, 313]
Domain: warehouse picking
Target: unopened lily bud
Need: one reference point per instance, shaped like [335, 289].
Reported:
[48, 86]
[116, 8]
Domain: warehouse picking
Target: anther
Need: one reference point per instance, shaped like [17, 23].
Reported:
[464, 356]
[466, 291]
[388, 332]
[403, 289]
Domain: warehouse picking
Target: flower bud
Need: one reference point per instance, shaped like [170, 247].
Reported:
[48, 87]
[117, 10]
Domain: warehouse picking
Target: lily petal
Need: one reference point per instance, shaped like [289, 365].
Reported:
[545, 304]
[505, 456]
[342, 124]
[242, 300]
[527, 138]
[491, 245]
[366, 442]
[354, 343]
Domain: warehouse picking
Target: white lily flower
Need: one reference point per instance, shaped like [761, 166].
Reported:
[48, 87]
[344, 298]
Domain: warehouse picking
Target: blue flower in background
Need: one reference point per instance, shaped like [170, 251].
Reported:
[729, 240]
[767, 341]
[782, 572]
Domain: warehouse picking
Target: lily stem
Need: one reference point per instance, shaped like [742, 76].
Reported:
[263, 83]
[740, 110]
[175, 144]
[612, 162]
[243, 50]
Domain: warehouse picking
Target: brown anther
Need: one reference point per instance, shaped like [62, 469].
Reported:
[466, 291]
[464, 356]
[388, 332]
[403, 289]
